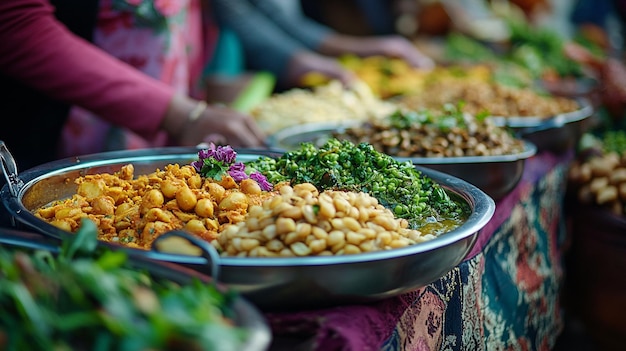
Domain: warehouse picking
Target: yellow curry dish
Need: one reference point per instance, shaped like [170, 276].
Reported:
[135, 211]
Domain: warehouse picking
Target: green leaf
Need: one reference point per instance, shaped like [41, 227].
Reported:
[85, 241]
[213, 168]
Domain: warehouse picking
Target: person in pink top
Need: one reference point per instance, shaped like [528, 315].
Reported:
[45, 68]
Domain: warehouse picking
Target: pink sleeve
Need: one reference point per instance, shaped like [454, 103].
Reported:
[39, 51]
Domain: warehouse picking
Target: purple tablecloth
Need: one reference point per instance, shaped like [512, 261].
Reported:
[503, 296]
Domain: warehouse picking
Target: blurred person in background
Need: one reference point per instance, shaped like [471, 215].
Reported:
[603, 22]
[171, 41]
[48, 64]
[277, 37]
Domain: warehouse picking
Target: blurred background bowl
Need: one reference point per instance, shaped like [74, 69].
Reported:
[495, 175]
[557, 134]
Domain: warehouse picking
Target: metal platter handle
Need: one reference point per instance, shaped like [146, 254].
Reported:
[9, 169]
[180, 242]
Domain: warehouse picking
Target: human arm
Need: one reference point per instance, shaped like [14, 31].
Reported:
[267, 45]
[40, 52]
[278, 37]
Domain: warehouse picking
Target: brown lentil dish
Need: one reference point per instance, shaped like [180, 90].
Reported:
[444, 133]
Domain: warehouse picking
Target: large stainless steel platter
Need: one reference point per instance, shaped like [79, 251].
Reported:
[270, 283]
[495, 175]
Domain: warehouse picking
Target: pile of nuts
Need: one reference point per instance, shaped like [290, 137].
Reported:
[301, 221]
[477, 138]
[601, 180]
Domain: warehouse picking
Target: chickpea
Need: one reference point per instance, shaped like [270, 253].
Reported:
[227, 182]
[234, 201]
[195, 181]
[186, 199]
[216, 191]
[91, 189]
[186, 171]
[204, 208]
[250, 186]
[153, 198]
[195, 226]
[175, 197]
[61, 224]
[169, 188]
[126, 172]
[157, 214]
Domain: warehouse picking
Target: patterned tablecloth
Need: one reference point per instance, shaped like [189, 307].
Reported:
[503, 296]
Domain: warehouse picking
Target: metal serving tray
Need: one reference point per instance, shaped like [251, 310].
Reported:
[270, 283]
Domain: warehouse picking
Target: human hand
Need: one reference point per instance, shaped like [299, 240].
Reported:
[612, 75]
[216, 124]
[391, 45]
[222, 125]
[304, 63]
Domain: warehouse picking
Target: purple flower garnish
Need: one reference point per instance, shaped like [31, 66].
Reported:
[225, 154]
[198, 165]
[206, 153]
[260, 178]
[238, 171]
[217, 160]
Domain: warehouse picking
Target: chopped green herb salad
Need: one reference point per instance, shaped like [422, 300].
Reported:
[346, 166]
[89, 299]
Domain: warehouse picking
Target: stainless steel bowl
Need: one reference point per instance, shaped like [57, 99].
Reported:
[245, 315]
[558, 133]
[270, 283]
[495, 175]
